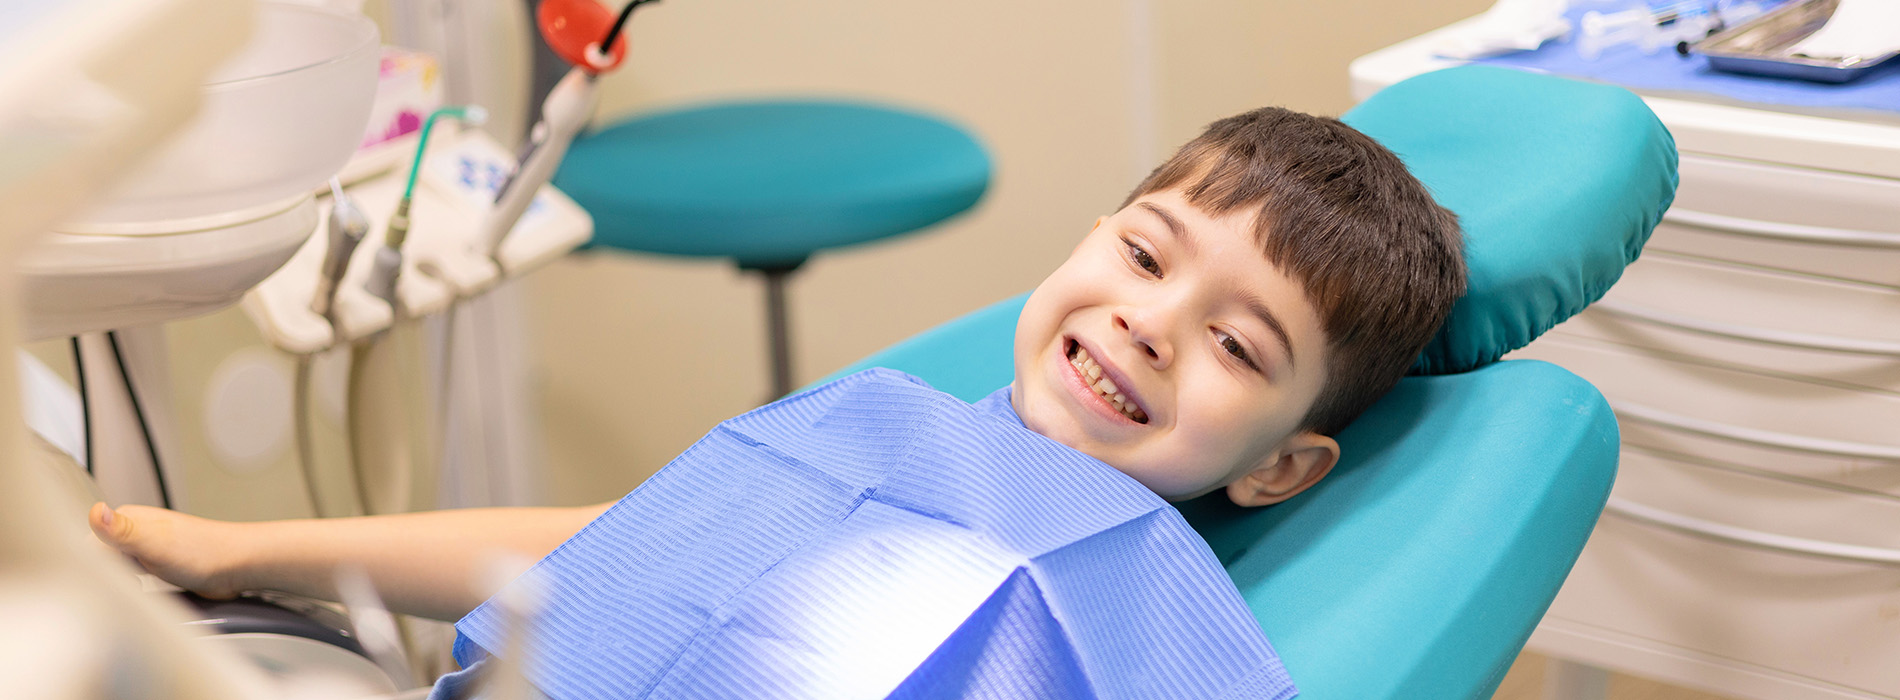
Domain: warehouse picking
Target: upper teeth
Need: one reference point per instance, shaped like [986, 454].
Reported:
[1102, 385]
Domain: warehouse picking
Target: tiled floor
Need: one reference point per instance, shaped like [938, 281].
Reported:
[1526, 682]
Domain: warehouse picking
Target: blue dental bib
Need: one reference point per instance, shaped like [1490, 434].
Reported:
[876, 538]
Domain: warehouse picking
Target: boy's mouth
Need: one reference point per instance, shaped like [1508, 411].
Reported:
[1097, 379]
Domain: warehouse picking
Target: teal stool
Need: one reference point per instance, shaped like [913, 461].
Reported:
[769, 183]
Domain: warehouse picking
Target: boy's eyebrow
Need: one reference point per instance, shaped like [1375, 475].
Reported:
[1175, 226]
[1254, 304]
[1259, 309]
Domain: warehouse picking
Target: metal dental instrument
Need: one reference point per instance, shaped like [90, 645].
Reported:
[347, 227]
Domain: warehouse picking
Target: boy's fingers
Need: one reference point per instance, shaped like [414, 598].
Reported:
[110, 524]
[100, 518]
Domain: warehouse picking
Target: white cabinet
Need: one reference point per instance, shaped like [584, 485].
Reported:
[1753, 356]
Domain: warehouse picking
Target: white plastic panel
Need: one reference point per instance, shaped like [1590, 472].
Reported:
[1838, 332]
[1761, 408]
[1756, 611]
[1777, 217]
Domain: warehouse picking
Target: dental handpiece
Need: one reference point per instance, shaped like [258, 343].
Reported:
[386, 264]
[563, 114]
[347, 226]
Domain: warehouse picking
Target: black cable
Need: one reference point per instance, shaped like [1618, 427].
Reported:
[138, 411]
[85, 404]
[607, 45]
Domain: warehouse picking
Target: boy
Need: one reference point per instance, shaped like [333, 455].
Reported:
[1167, 346]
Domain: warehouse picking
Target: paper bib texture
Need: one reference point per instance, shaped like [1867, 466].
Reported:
[876, 538]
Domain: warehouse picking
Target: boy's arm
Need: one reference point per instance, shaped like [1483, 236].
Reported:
[424, 564]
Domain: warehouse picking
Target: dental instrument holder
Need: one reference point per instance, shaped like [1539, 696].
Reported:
[440, 260]
[444, 258]
[460, 266]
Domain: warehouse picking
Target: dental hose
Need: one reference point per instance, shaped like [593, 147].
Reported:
[306, 448]
[346, 229]
[380, 441]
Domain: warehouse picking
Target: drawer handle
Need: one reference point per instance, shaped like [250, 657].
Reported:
[1792, 232]
[1751, 538]
[1829, 343]
[1800, 443]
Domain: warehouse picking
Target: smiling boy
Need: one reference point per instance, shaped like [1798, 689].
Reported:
[1250, 298]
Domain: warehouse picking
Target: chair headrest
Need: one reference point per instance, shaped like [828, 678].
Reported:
[1596, 166]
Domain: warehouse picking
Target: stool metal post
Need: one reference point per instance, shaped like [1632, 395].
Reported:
[778, 326]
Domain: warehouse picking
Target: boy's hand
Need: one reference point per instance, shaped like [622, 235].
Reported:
[192, 553]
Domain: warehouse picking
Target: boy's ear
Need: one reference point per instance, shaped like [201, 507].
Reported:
[1301, 461]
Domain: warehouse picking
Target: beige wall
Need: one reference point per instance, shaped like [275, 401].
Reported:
[1074, 98]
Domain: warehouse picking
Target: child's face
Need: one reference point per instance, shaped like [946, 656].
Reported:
[1216, 352]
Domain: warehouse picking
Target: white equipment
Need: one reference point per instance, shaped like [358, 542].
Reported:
[188, 229]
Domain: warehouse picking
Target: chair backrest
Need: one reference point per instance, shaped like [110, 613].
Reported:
[1420, 566]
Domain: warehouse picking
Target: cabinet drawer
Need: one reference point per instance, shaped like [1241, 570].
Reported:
[1832, 620]
[1832, 330]
[1810, 221]
[1797, 428]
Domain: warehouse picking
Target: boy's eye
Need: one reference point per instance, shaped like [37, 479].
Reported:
[1233, 347]
[1142, 258]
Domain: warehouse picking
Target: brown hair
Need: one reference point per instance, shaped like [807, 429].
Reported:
[1380, 260]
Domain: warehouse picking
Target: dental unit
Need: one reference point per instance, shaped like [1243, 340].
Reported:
[220, 208]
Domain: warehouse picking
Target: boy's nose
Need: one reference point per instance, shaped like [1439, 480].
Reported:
[1146, 335]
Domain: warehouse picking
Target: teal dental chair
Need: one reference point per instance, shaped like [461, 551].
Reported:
[1419, 568]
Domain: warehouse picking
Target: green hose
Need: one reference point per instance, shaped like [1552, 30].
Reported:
[467, 113]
